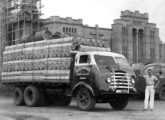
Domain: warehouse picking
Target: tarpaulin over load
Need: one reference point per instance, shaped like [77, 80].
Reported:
[45, 61]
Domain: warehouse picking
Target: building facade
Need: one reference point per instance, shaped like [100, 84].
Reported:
[136, 38]
[74, 27]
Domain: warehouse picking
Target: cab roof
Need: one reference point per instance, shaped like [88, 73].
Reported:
[104, 53]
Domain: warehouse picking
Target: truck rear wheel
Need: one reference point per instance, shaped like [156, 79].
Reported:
[18, 96]
[85, 100]
[162, 93]
[119, 102]
[31, 96]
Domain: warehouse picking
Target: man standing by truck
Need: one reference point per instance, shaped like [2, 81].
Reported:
[151, 83]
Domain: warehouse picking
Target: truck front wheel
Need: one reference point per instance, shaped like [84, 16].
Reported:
[85, 100]
[31, 96]
[119, 102]
[18, 96]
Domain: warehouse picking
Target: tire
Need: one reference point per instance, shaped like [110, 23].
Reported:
[31, 96]
[18, 96]
[119, 102]
[162, 93]
[85, 100]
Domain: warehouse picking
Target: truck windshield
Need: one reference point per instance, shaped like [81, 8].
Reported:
[104, 60]
[122, 61]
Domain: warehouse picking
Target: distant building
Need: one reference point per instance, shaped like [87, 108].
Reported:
[75, 27]
[136, 38]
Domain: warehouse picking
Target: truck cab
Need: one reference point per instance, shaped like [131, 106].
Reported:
[102, 77]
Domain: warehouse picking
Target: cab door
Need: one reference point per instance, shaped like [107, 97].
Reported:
[82, 68]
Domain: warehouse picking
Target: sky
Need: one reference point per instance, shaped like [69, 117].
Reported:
[104, 12]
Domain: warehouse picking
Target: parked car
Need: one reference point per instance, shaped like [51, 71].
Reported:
[159, 71]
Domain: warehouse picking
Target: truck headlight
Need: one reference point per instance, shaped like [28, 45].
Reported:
[133, 80]
[108, 80]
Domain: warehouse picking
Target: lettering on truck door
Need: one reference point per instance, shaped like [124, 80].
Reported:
[82, 68]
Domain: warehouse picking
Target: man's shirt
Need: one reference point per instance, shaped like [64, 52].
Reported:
[151, 80]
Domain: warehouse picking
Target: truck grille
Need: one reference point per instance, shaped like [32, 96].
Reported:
[121, 80]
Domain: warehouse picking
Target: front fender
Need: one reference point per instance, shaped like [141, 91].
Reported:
[79, 84]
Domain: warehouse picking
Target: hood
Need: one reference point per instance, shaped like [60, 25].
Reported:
[117, 67]
[127, 69]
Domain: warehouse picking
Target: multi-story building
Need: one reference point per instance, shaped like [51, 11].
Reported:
[75, 27]
[136, 38]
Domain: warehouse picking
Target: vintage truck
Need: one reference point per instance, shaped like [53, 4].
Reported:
[158, 70]
[69, 67]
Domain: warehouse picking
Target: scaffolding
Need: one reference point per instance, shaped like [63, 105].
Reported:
[1, 33]
[22, 19]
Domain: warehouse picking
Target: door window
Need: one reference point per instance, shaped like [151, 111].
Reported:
[84, 59]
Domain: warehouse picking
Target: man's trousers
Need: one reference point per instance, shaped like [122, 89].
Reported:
[149, 97]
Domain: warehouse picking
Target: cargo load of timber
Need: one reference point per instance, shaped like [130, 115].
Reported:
[46, 60]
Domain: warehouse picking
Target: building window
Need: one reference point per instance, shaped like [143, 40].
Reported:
[69, 31]
[63, 29]
[66, 30]
[138, 23]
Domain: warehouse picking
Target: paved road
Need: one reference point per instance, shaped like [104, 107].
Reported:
[101, 112]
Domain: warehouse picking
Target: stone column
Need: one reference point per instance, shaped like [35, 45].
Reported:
[157, 41]
[144, 45]
[147, 39]
[130, 45]
[134, 44]
[117, 38]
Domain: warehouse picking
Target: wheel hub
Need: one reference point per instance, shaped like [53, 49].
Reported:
[84, 98]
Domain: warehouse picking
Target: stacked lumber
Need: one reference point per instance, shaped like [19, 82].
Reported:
[46, 61]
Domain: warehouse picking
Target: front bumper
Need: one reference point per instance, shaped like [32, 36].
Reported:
[122, 90]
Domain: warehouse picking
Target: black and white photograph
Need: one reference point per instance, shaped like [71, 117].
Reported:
[82, 60]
